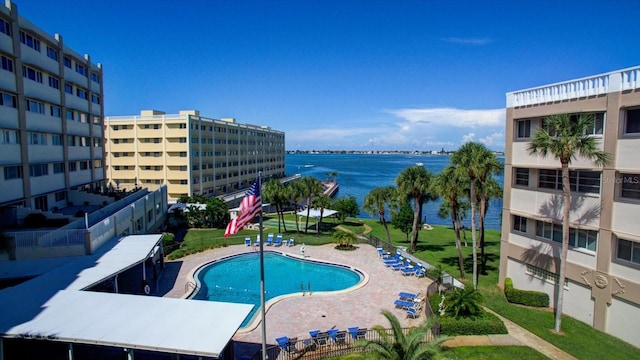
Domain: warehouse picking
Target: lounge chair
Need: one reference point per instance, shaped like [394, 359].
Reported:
[395, 258]
[283, 342]
[341, 338]
[413, 313]
[411, 271]
[407, 296]
[291, 345]
[247, 241]
[404, 304]
[333, 333]
[322, 339]
[382, 253]
[257, 242]
[291, 242]
[353, 331]
[403, 265]
[269, 240]
[361, 334]
[278, 240]
[421, 273]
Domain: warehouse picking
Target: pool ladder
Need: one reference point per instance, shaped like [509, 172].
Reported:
[192, 285]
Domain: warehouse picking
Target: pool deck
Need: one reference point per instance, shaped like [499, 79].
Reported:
[296, 315]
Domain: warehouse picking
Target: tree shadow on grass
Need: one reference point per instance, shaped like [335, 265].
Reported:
[430, 247]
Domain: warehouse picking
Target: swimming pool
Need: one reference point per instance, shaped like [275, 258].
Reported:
[237, 278]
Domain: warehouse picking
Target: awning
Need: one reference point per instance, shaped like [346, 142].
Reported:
[315, 213]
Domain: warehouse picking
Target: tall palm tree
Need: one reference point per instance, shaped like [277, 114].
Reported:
[296, 193]
[415, 182]
[564, 138]
[321, 202]
[377, 201]
[480, 163]
[398, 345]
[452, 184]
[489, 189]
[275, 192]
[312, 187]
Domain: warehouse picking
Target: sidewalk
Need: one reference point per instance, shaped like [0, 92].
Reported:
[517, 336]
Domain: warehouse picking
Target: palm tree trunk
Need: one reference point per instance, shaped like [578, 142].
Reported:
[306, 225]
[482, 212]
[414, 230]
[384, 223]
[472, 196]
[566, 192]
[456, 229]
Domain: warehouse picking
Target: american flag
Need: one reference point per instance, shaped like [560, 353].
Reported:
[250, 207]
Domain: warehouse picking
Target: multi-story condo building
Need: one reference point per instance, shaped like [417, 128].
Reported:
[603, 263]
[192, 155]
[51, 117]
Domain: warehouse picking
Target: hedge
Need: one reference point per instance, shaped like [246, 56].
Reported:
[486, 325]
[524, 297]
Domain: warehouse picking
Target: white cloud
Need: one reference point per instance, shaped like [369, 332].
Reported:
[493, 139]
[452, 116]
[468, 138]
[468, 41]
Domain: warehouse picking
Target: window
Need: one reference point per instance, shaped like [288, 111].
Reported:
[632, 124]
[545, 126]
[522, 176]
[81, 69]
[578, 238]
[55, 111]
[580, 181]
[184, 182]
[84, 165]
[8, 100]
[95, 99]
[183, 140]
[61, 195]
[182, 126]
[97, 164]
[54, 82]
[52, 53]
[70, 115]
[82, 94]
[12, 172]
[36, 138]
[73, 166]
[58, 168]
[523, 129]
[183, 154]
[519, 223]
[36, 170]
[5, 28]
[30, 41]
[627, 250]
[35, 106]
[68, 88]
[7, 64]
[95, 78]
[97, 142]
[32, 74]
[9, 136]
[71, 140]
[630, 186]
[67, 62]
[83, 117]
[56, 139]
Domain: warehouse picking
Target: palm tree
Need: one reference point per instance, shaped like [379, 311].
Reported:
[275, 192]
[334, 175]
[480, 164]
[489, 189]
[398, 345]
[312, 187]
[415, 183]
[377, 201]
[321, 202]
[296, 194]
[463, 303]
[344, 238]
[452, 184]
[564, 138]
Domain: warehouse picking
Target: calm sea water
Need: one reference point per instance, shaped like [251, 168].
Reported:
[360, 173]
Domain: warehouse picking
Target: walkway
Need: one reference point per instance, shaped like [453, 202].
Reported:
[517, 336]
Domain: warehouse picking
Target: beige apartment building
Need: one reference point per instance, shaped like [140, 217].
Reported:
[191, 154]
[603, 270]
[51, 118]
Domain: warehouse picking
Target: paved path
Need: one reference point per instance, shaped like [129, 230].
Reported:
[517, 336]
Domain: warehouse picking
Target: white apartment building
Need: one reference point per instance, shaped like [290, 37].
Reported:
[51, 117]
[603, 270]
[190, 154]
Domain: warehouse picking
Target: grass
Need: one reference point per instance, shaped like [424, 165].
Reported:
[492, 353]
[437, 247]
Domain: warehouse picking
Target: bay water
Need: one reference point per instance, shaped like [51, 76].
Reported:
[358, 174]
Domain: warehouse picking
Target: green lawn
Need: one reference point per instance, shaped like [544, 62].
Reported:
[437, 247]
[492, 353]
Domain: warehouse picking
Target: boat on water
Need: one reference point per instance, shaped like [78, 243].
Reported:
[308, 165]
[419, 164]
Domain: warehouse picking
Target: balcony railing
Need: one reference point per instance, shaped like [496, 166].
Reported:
[615, 81]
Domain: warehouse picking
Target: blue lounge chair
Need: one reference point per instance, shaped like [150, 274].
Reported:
[247, 241]
[404, 304]
[411, 271]
[333, 333]
[257, 242]
[413, 313]
[403, 265]
[341, 338]
[361, 334]
[278, 240]
[291, 242]
[422, 272]
[282, 342]
[269, 240]
[353, 331]
[407, 296]
[396, 257]
[382, 253]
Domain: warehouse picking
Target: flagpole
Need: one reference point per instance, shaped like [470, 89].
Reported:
[262, 289]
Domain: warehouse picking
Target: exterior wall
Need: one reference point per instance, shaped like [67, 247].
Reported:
[602, 288]
[39, 110]
[192, 155]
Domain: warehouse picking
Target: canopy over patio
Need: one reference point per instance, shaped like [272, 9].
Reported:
[315, 213]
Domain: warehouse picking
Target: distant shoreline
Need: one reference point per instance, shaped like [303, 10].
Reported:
[374, 152]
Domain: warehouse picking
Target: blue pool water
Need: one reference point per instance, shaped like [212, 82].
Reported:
[237, 278]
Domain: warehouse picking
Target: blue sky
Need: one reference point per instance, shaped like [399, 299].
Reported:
[361, 75]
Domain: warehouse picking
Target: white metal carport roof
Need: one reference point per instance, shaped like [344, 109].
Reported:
[52, 306]
[315, 213]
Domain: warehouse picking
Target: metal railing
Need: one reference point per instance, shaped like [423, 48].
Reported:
[312, 349]
[45, 238]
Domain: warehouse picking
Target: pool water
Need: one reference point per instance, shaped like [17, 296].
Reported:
[237, 279]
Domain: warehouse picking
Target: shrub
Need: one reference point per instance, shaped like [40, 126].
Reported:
[485, 324]
[35, 220]
[525, 297]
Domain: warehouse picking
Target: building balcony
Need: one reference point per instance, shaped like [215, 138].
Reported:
[150, 161]
[521, 158]
[585, 209]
